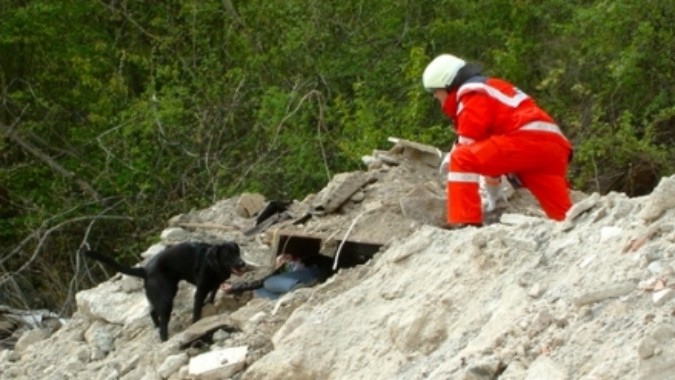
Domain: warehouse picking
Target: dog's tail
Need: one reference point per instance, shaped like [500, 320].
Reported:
[131, 271]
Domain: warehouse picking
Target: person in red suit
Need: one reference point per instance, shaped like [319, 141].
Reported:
[500, 131]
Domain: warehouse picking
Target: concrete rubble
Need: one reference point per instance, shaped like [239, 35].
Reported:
[589, 298]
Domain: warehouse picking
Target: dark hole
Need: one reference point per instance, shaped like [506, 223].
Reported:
[308, 248]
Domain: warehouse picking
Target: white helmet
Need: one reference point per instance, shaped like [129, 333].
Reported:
[441, 71]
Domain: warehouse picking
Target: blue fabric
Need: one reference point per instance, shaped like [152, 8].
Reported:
[279, 284]
[264, 293]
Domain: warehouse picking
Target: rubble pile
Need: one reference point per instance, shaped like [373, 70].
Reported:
[522, 298]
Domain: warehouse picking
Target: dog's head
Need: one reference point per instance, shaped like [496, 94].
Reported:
[226, 258]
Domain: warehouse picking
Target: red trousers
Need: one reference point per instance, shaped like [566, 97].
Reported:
[538, 158]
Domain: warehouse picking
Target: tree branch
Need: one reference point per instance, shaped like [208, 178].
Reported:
[35, 151]
[43, 235]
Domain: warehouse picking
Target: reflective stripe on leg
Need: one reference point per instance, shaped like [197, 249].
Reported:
[464, 204]
[463, 177]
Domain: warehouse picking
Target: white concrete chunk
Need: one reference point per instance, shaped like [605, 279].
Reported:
[518, 219]
[219, 364]
[660, 200]
[108, 303]
[582, 206]
[546, 368]
[172, 364]
[609, 232]
[663, 296]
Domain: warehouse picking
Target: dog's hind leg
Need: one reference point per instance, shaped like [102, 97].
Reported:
[155, 318]
[160, 295]
[164, 318]
[162, 310]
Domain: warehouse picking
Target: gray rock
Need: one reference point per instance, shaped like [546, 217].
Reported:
[660, 200]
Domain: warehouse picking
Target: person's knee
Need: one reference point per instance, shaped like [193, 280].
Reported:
[557, 209]
[462, 158]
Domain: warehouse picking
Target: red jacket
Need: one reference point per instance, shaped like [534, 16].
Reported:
[482, 107]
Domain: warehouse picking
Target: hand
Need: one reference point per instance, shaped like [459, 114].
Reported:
[226, 287]
[494, 192]
[282, 259]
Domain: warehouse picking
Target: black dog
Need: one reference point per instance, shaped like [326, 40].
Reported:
[204, 265]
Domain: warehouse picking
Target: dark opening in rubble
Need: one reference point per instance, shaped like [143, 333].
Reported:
[205, 339]
[316, 249]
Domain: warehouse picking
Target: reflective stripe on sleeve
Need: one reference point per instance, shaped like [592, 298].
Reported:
[541, 126]
[463, 177]
[511, 101]
[465, 140]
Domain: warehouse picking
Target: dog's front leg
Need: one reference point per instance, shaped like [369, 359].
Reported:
[211, 297]
[200, 296]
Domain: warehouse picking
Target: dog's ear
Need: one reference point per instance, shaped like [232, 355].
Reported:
[233, 248]
[212, 256]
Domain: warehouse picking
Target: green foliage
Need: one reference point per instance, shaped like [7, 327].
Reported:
[164, 107]
[636, 159]
[615, 79]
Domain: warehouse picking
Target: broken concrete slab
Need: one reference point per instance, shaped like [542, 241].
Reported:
[119, 307]
[661, 199]
[582, 206]
[218, 364]
[204, 327]
[249, 204]
[426, 154]
[423, 206]
[339, 190]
